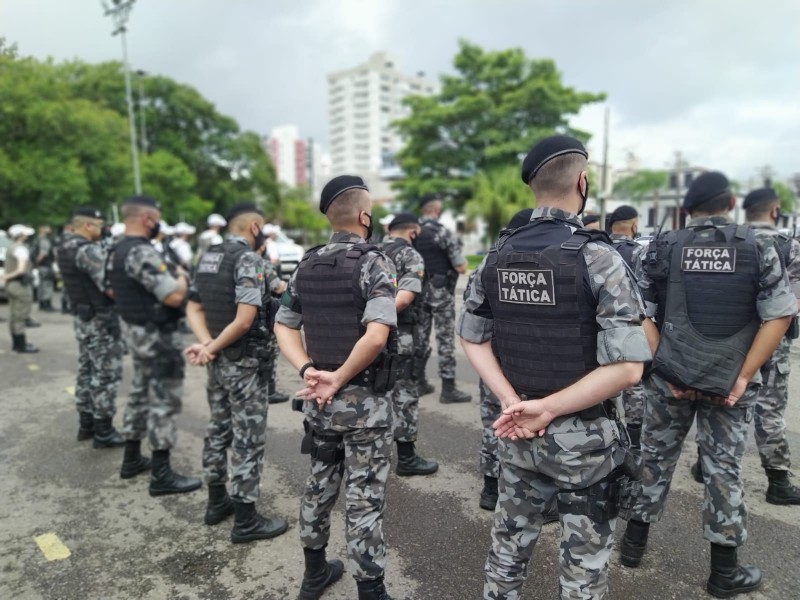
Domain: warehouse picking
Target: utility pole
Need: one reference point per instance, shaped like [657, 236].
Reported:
[142, 121]
[604, 173]
[310, 168]
[676, 221]
[119, 11]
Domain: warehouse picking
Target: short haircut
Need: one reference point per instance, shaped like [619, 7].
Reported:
[760, 209]
[404, 227]
[131, 211]
[719, 204]
[241, 221]
[344, 209]
[80, 220]
[559, 177]
[622, 224]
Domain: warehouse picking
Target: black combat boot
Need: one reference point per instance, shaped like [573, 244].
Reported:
[85, 426]
[46, 306]
[728, 577]
[133, 462]
[697, 470]
[21, 345]
[425, 387]
[410, 463]
[163, 480]
[634, 542]
[372, 590]
[489, 493]
[319, 574]
[220, 505]
[780, 490]
[105, 436]
[635, 433]
[276, 397]
[451, 394]
[250, 526]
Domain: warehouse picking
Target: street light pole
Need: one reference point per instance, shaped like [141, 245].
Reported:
[119, 11]
[140, 76]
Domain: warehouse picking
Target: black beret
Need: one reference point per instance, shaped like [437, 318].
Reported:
[87, 211]
[758, 196]
[338, 186]
[142, 201]
[428, 198]
[548, 149]
[403, 218]
[520, 219]
[622, 213]
[243, 208]
[589, 219]
[704, 188]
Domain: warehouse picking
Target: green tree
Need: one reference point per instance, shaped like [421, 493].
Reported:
[787, 198]
[498, 195]
[297, 213]
[496, 106]
[641, 185]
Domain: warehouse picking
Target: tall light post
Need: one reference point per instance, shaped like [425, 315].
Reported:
[142, 121]
[119, 11]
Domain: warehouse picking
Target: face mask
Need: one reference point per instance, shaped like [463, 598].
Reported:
[369, 228]
[259, 239]
[154, 230]
[584, 196]
[105, 232]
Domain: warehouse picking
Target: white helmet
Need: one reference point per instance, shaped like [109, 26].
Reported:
[216, 220]
[17, 230]
[182, 228]
[166, 228]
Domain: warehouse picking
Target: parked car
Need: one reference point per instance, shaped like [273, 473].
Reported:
[290, 253]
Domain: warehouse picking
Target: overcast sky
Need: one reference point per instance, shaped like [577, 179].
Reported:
[717, 80]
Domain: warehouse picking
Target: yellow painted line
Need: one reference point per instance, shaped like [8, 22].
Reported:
[52, 547]
[70, 390]
[33, 367]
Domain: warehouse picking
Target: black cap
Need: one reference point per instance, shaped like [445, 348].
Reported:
[243, 208]
[520, 219]
[589, 219]
[758, 196]
[87, 211]
[548, 149]
[338, 186]
[428, 198]
[704, 188]
[403, 218]
[623, 213]
[142, 201]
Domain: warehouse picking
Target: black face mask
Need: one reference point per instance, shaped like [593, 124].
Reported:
[105, 232]
[369, 228]
[259, 240]
[584, 196]
[154, 230]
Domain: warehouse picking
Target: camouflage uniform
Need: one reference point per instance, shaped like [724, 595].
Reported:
[574, 454]
[410, 272]
[99, 345]
[47, 277]
[364, 419]
[490, 412]
[773, 446]
[439, 309]
[237, 396]
[158, 363]
[721, 431]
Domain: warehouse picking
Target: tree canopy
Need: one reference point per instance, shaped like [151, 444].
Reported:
[65, 143]
[489, 113]
[641, 185]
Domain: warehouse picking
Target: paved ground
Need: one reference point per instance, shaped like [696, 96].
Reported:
[125, 545]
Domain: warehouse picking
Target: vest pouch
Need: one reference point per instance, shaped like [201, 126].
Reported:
[689, 360]
[110, 321]
[85, 312]
[794, 330]
[386, 369]
[234, 352]
[439, 280]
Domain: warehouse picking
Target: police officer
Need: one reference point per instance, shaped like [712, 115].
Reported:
[227, 311]
[443, 263]
[343, 295]
[591, 222]
[623, 224]
[66, 229]
[44, 257]
[211, 236]
[82, 262]
[410, 274]
[554, 356]
[149, 299]
[19, 286]
[722, 303]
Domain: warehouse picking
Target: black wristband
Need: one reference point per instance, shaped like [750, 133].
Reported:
[305, 367]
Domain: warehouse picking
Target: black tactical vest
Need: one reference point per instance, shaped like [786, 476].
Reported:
[80, 288]
[329, 292]
[215, 280]
[437, 262]
[706, 280]
[134, 303]
[625, 249]
[545, 330]
[409, 316]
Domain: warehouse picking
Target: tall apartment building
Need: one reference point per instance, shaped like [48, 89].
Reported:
[362, 104]
[288, 154]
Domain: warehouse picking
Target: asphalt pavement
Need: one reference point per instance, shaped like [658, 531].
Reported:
[71, 529]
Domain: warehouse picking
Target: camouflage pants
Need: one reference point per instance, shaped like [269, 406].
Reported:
[490, 412]
[633, 400]
[47, 282]
[405, 395]
[365, 467]
[439, 310]
[529, 482]
[721, 436]
[156, 388]
[20, 303]
[237, 398]
[99, 365]
[773, 446]
[275, 351]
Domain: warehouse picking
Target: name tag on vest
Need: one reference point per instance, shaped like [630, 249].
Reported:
[517, 286]
[708, 260]
[210, 262]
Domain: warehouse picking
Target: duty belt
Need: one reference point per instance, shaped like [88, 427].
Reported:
[363, 379]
